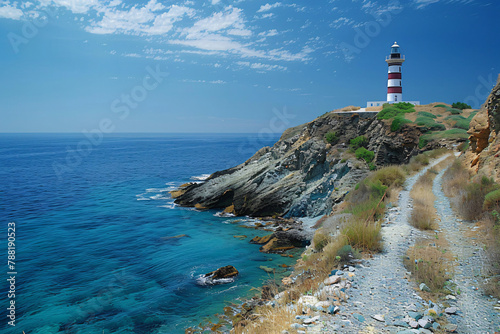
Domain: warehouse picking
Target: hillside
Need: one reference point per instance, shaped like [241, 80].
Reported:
[314, 165]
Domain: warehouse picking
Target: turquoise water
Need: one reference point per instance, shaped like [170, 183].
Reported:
[92, 254]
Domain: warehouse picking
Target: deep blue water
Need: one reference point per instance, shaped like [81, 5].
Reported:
[90, 219]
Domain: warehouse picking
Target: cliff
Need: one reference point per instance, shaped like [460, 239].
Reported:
[302, 174]
[482, 156]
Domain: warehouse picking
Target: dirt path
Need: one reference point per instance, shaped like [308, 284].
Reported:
[476, 314]
[380, 285]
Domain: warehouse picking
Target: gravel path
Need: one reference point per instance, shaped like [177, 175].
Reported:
[380, 285]
[476, 313]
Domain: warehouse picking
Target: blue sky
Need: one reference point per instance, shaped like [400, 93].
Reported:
[231, 66]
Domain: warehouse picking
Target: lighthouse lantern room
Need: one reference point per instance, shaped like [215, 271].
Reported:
[394, 86]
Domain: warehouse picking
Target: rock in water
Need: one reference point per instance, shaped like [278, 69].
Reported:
[222, 275]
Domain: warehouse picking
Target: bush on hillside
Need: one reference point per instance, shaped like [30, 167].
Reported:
[429, 124]
[398, 122]
[358, 142]
[363, 153]
[426, 114]
[331, 137]
[394, 110]
[461, 105]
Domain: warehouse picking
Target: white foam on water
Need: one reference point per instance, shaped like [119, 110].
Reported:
[201, 177]
[224, 214]
[160, 190]
[203, 280]
[159, 196]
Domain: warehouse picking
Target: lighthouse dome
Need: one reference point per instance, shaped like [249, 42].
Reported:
[395, 48]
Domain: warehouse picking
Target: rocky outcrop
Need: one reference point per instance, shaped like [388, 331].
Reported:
[302, 174]
[222, 275]
[482, 156]
[281, 241]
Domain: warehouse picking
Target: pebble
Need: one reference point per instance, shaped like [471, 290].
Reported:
[451, 297]
[413, 324]
[424, 287]
[311, 320]
[424, 323]
[400, 323]
[415, 315]
[378, 317]
[332, 280]
[451, 310]
[359, 317]
[452, 328]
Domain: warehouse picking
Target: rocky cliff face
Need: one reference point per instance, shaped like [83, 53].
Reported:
[301, 175]
[482, 156]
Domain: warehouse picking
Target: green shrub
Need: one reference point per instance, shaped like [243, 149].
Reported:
[428, 124]
[461, 105]
[363, 153]
[455, 118]
[440, 106]
[394, 110]
[358, 142]
[398, 122]
[423, 141]
[372, 166]
[462, 124]
[426, 114]
[454, 111]
[491, 200]
[331, 137]
[404, 106]
[344, 253]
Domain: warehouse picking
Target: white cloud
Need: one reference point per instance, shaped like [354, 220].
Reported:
[268, 7]
[140, 20]
[269, 33]
[261, 67]
[10, 12]
[424, 3]
[230, 18]
[214, 2]
[341, 21]
[77, 6]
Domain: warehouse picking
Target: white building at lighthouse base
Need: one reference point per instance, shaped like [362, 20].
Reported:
[381, 103]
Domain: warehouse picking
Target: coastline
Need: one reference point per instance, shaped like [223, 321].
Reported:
[241, 309]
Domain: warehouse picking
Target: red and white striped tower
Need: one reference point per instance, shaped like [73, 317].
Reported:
[394, 88]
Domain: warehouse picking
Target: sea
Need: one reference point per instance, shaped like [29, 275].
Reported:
[97, 245]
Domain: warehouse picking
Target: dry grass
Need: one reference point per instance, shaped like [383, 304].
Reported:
[272, 320]
[364, 235]
[320, 240]
[428, 264]
[423, 213]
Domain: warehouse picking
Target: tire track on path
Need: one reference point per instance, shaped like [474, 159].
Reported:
[476, 314]
[380, 285]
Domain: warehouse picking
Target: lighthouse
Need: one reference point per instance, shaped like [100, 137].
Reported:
[394, 87]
